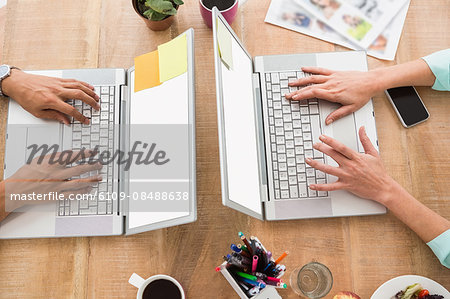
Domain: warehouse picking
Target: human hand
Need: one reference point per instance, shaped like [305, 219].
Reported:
[51, 174]
[45, 97]
[351, 89]
[362, 174]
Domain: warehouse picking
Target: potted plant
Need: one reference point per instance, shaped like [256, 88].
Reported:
[157, 14]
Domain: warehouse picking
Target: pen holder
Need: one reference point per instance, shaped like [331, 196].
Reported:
[266, 293]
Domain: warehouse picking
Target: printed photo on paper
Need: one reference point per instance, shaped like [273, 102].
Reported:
[288, 14]
[361, 22]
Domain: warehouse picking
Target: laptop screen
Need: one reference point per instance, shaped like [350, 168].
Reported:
[236, 69]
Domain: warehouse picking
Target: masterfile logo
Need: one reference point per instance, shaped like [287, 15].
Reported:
[148, 166]
[141, 153]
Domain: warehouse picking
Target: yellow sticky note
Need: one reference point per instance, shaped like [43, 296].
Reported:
[224, 41]
[146, 71]
[172, 58]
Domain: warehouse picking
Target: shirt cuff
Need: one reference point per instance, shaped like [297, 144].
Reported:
[441, 247]
[439, 63]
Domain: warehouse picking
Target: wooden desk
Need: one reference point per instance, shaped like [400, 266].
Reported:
[362, 252]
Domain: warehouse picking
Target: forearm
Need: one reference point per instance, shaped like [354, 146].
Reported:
[10, 83]
[422, 220]
[413, 73]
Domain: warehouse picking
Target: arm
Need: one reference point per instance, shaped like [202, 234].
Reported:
[353, 89]
[365, 176]
[48, 176]
[416, 72]
[45, 97]
[6, 207]
[426, 223]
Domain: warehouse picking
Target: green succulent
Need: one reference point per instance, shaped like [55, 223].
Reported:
[157, 10]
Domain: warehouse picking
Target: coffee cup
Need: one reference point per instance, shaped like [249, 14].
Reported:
[228, 9]
[157, 287]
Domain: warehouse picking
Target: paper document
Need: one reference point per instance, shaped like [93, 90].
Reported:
[289, 14]
[172, 58]
[224, 41]
[361, 22]
[146, 71]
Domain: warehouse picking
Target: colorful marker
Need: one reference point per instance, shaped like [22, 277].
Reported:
[271, 283]
[255, 263]
[281, 286]
[281, 257]
[269, 267]
[235, 248]
[254, 283]
[281, 267]
[246, 259]
[281, 273]
[245, 275]
[261, 281]
[243, 247]
[244, 239]
[238, 249]
[273, 279]
[278, 269]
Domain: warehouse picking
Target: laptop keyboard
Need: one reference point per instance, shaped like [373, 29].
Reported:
[100, 132]
[293, 129]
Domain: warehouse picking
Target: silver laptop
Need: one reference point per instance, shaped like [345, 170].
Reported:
[135, 198]
[264, 138]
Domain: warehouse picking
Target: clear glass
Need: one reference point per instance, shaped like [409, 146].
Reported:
[313, 280]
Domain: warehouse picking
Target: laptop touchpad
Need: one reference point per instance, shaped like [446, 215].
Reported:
[344, 131]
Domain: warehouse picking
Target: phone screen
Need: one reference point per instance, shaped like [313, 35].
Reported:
[408, 104]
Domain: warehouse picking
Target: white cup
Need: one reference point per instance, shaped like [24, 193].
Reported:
[141, 283]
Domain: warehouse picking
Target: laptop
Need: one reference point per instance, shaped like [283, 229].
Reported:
[136, 197]
[264, 138]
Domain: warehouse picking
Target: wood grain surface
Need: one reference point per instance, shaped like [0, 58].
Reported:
[361, 252]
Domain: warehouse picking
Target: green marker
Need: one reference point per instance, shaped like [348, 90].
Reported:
[245, 275]
[243, 247]
[281, 286]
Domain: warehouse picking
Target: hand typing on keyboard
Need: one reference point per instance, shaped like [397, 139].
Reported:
[45, 97]
[361, 174]
[350, 89]
[49, 175]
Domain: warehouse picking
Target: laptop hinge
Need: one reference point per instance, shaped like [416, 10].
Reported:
[260, 137]
[123, 94]
[258, 64]
[123, 135]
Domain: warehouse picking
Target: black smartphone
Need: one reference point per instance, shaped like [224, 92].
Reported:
[408, 105]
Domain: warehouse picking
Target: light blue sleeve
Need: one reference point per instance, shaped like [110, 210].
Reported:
[439, 64]
[441, 247]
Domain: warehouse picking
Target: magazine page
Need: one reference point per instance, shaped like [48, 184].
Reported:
[359, 21]
[290, 15]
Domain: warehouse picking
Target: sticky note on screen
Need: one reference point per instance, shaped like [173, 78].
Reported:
[146, 68]
[224, 41]
[172, 58]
